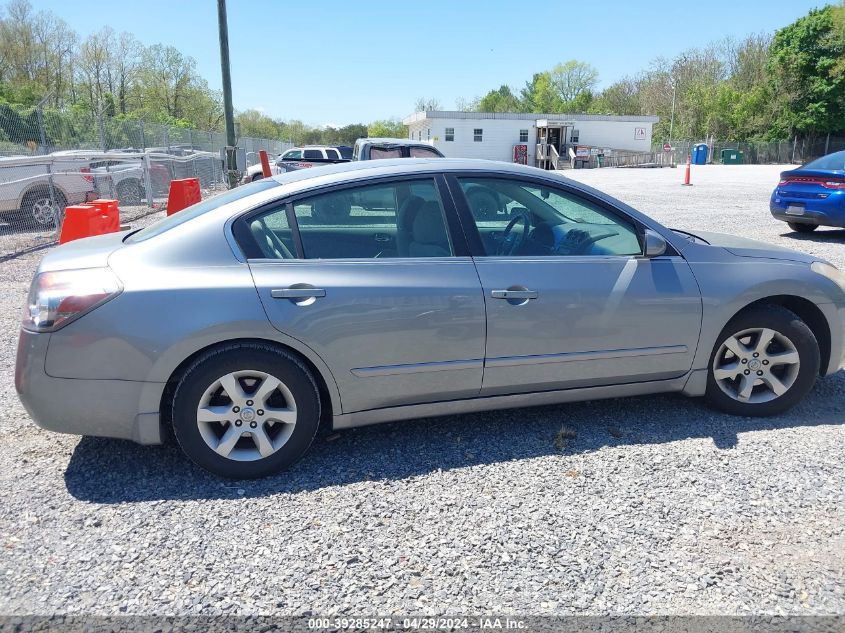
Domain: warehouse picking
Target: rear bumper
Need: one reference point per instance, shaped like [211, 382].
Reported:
[108, 408]
[830, 212]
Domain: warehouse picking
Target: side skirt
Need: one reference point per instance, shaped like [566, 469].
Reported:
[471, 405]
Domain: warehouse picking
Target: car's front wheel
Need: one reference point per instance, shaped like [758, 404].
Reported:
[246, 410]
[765, 361]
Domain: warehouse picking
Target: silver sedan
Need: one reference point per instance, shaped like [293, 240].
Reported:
[382, 290]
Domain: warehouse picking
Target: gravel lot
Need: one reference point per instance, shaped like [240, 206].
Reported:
[656, 506]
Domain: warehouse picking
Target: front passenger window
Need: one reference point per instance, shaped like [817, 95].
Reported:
[520, 218]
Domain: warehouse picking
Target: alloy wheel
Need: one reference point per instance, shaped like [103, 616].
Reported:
[756, 365]
[43, 211]
[246, 415]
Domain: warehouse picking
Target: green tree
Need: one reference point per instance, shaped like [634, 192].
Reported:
[389, 128]
[572, 78]
[805, 59]
[501, 100]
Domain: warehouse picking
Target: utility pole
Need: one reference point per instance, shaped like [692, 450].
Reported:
[227, 93]
[672, 120]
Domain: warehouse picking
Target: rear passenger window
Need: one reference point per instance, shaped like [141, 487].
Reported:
[272, 235]
[310, 154]
[402, 219]
[385, 152]
[332, 153]
[423, 152]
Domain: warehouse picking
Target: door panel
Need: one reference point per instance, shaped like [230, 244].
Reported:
[594, 321]
[393, 332]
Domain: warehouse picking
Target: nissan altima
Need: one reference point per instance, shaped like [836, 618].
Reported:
[242, 322]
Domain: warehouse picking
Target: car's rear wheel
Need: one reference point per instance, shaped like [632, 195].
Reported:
[802, 227]
[246, 410]
[765, 361]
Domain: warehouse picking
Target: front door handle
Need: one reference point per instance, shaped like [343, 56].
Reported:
[514, 294]
[297, 293]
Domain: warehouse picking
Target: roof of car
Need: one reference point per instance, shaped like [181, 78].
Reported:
[389, 141]
[330, 174]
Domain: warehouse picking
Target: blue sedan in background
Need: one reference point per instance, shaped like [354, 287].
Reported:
[812, 195]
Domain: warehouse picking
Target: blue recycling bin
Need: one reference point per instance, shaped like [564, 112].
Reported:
[699, 154]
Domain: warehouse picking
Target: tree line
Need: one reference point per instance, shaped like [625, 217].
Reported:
[113, 75]
[763, 87]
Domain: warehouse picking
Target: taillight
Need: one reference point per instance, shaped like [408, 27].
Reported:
[57, 298]
[88, 177]
[827, 184]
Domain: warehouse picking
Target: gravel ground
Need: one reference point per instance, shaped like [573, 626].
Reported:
[651, 506]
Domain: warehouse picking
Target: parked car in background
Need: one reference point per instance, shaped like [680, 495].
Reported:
[426, 307]
[25, 193]
[295, 159]
[345, 151]
[376, 148]
[812, 195]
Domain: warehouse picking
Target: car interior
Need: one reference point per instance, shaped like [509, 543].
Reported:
[406, 219]
[520, 218]
[402, 219]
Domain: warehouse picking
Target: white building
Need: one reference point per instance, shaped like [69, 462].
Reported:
[533, 139]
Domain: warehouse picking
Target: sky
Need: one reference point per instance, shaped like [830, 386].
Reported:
[335, 62]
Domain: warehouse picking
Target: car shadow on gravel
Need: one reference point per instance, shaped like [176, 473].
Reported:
[822, 235]
[114, 471]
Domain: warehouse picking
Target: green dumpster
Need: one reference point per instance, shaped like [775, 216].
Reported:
[731, 157]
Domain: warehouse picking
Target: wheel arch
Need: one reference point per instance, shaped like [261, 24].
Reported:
[329, 396]
[808, 312]
[41, 186]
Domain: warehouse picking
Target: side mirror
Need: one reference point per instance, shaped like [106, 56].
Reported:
[655, 245]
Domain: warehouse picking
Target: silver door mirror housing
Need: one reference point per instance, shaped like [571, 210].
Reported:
[655, 244]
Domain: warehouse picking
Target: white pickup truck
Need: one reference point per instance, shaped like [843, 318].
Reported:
[295, 159]
[25, 192]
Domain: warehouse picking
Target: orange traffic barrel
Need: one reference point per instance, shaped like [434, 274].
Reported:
[183, 193]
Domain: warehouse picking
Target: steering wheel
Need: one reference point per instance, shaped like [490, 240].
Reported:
[511, 241]
[578, 240]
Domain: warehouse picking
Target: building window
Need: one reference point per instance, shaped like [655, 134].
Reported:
[419, 135]
[428, 135]
[477, 134]
[523, 136]
[450, 134]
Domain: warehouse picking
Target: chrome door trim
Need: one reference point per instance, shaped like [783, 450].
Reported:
[414, 368]
[297, 293]
[567, 357]
[514, 294]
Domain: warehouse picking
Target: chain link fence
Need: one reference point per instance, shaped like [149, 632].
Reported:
[796, 151]
[50, 160]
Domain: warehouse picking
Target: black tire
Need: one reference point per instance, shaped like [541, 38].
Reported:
[791, 326]
[238, 357]
[32, 204]
[801, 227]
[130, 193]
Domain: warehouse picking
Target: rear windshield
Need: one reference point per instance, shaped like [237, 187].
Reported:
[835, 161]
[201, 207]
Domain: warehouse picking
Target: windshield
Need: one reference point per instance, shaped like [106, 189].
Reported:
[835, 162]
[198, 209]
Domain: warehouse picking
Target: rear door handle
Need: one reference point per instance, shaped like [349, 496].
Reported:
[514, 294]
[297, 293]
